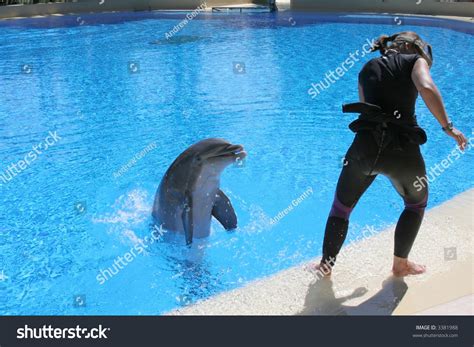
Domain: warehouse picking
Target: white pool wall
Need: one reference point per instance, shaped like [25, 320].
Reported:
[88, 6]
[427, 7]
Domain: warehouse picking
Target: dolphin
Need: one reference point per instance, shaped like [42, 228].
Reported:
[189, 194]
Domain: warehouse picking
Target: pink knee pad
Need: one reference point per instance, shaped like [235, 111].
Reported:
[339, 210]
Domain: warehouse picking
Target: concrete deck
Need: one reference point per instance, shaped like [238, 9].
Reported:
[362, 283]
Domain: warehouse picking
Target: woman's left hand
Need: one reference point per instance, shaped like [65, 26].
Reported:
[459, 137]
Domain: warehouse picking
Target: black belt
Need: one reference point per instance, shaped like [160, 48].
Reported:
[395, 130]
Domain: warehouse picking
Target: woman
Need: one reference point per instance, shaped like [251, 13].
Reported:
[388, 142]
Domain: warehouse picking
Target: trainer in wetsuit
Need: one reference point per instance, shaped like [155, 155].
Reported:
[387, 142]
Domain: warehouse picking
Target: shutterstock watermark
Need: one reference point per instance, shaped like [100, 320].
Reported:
[330, 76]
[122, 261]
[435, 171]
[347, 251]
[48, 332]
[283, 213]
[189, 17]
[132, 162]
[21, 165]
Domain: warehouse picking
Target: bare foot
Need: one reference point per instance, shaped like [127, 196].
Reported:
[403, 267]
[323, 269]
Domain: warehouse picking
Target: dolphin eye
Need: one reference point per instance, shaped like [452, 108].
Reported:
[198, 158]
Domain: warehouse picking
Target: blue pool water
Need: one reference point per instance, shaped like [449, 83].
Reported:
[109, 92]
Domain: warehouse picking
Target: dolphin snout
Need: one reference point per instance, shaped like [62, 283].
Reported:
[238, 150]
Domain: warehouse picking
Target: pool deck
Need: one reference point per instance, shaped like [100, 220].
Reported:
[458, 18]
[362, 283]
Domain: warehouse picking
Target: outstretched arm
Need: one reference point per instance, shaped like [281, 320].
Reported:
[431, 96]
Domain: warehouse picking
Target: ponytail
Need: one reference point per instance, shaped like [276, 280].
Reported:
[381, 44]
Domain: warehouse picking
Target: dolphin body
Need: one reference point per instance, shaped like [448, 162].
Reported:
[189, 194]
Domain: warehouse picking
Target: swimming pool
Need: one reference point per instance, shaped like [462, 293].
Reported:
[115, 104]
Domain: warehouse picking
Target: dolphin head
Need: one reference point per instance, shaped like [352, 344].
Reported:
[217, 153]
[206, 158]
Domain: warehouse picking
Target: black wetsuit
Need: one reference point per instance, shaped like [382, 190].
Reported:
[387, 142]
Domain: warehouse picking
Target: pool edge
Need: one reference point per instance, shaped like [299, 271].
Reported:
[295, 291]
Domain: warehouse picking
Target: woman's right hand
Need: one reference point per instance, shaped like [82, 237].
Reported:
[459, 137]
